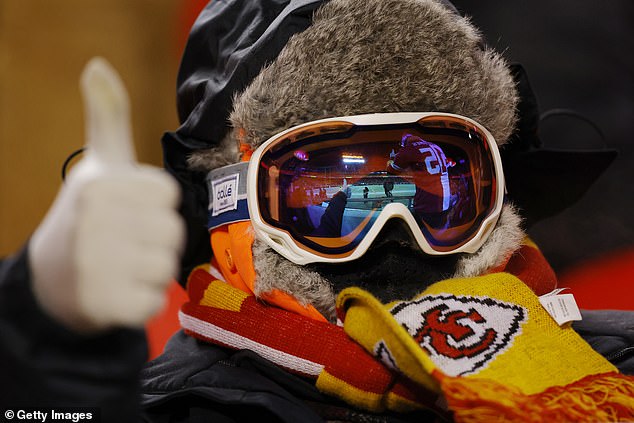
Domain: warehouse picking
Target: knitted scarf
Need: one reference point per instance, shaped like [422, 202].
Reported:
[471, 349]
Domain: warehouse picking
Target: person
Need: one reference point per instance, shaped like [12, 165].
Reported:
[260, 338]
[331, 221]
[429, 167]
[346, 188]
[388, 186]
[255, 315]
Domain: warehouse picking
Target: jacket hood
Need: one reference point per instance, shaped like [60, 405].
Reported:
[227, 47]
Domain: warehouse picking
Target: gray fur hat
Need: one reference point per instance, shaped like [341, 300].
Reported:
[366, 56]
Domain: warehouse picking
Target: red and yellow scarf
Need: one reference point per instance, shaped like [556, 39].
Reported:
[475, 349]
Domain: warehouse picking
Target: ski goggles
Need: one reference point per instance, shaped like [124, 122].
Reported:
[322, 191]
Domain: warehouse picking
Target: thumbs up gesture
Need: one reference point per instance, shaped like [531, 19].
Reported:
[111, 242]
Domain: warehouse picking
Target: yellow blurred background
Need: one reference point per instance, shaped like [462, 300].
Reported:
[44, 46]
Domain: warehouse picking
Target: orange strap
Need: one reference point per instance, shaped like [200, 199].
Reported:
[231, 245]
[245, 149]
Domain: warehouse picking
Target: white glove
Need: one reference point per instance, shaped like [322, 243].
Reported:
[111, 242]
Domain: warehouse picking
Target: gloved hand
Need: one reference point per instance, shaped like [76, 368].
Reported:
[111, 242]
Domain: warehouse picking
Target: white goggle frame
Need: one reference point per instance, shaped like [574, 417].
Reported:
[282, 242]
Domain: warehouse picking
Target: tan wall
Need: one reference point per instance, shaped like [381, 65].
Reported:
[44, 45]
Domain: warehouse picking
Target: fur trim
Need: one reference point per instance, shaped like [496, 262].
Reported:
[308, 287]
[224, 154]
[375, 56]
[379, 56]
[505, 239]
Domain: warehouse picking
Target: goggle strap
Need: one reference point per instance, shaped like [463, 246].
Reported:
[227, 188]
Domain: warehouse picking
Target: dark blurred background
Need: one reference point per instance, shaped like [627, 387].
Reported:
[578, 55]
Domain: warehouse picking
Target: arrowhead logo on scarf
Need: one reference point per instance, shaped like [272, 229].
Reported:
[460, 334]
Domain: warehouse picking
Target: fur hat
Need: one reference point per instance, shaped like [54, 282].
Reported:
[366, 56]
